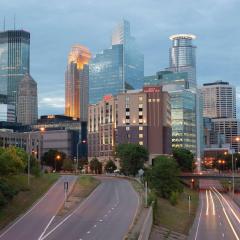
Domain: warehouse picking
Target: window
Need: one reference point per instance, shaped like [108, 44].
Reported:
[140, 113]
[140, 121]
[141, 143]
[140, 98]
[140, 105]
[140, 135]
[149, 100]
[140, 128]
[127, 128]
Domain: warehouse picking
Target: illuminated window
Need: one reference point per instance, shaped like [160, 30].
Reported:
[140, 105]
[127, 128]
[140, 128]
[140, 98]
[140, 135]
[141, 143]
[158, 100]
[149, 100]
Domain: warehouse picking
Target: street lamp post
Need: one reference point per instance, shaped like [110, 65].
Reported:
[58, 157]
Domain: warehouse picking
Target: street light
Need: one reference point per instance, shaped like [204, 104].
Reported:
[58, 157]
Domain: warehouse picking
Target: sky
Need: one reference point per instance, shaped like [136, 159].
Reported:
[55, 25]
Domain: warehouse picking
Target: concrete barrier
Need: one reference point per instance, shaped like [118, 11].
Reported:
[147, 225]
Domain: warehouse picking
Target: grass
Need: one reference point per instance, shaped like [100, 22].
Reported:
[26, 197]
[177, 218]
[82, 188]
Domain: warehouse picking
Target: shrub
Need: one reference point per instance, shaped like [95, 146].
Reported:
[174, 198]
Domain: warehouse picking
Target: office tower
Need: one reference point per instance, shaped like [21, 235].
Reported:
[219, 100]
[219, 104]
[118, 68]
[137, 116]
[14, 64]
[183, 107]
[182, 56]
[27, 101]
[76, 83]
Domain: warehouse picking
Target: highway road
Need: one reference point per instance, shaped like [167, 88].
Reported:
[106, 214]
[218, 217]
[32, 224]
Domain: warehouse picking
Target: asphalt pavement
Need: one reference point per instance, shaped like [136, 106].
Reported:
[106, 214]
[32, 224]
[218, 217]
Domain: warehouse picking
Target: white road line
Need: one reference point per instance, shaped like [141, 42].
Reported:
[235, 215]
[199, 219]
[30, 210]
[70, 215]
[45, 229]
[213, 204]
[224, 211]
[207, 202]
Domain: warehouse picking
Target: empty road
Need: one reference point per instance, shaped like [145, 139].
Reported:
[106, 214]
[32, 224]
[218, 217]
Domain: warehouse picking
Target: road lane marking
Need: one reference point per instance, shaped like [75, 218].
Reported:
[207, 202]
[235, 215]
[213, 204]
[199, 219]
[70, 215]
[7, 230]
[223, 235]
[45, 229]
[88, 232]
[224, 211]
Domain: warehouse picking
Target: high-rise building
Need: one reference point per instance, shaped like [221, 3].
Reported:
[76, 83]
[219, 100]
[182, 56]
[183, 107]
[117, 69]
[14, 64]
[219, 104]
[137, 116]
[27, 101]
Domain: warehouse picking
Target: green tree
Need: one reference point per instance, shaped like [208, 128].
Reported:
[184, 158]
[164, 176]
[10, 161]
[67, 165]
[50, 158]
[110, 166]
[132, 157]
[95, 166]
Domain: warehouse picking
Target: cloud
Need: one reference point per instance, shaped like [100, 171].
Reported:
[55, 102]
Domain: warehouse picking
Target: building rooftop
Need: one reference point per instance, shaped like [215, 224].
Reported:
[219, 82]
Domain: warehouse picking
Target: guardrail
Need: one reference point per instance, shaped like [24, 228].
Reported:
[147, 225]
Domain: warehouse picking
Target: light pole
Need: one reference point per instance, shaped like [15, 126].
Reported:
[58, 157]
[29, 152]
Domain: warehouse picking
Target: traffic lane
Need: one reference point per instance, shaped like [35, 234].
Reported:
[231, 212]
[117, 223]
[32, 223]
[94, 217]
[224, 220]
[210, 222]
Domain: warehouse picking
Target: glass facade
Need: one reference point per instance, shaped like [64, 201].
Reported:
[118, 68]
[183, 107]
[14, 63]
[182, 56]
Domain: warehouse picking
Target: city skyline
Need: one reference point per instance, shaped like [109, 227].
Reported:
[217, 51]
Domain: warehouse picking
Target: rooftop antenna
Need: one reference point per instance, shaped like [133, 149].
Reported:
[4, 23]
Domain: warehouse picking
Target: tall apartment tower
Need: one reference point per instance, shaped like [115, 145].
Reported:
[219, 104]
[27, 101]
[14, 64]
[76, 83]
[219, 100]
[182, 56]
[118, 68]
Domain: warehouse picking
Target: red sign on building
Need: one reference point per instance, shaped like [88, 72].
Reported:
[152, 89]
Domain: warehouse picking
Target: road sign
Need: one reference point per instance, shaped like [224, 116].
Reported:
[140, 172]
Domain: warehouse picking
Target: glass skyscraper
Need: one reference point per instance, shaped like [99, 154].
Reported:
[76, 83]
[183, 107]
[117, 69]
[182, 56]
[14, 64]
